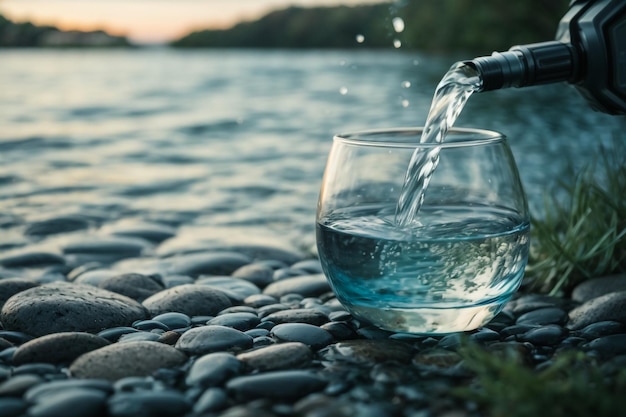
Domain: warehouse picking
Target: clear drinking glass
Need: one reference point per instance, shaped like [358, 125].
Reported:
[455, 263]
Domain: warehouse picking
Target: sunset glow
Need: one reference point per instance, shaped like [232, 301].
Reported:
[148, 21]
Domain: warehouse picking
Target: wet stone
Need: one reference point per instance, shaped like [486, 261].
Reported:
[276, 385]
[602, 328]
[58, 348]
[17, 385]
[597, 287]
[46, 389]
[213, 369]
[121, 360]
[279, 356]
[340, 316]
[71, 307]
[307, 334]
[608, 346]
[174, 320]
[543, 316]
[609, 307]
[95, 277]
[6, 344]
[58, 224]
[6, 355]
[148, 403]
[75, 402]
[307, 286]
[169, 338]
[260, 300]
[114, 333]
[213, 399]
[16, 338]
[237, 288]
[239, 321]
[13, 407]
[298, 315]
[134, 383]
[148, 325]
[207, 339]
[210, 263]
[261, 341]
[42, 369]
[517, 329]
[271, 308]
[258, 274]
[485, 335]
[135, 286]
[11, 286]
[257, 332]
[190, 299]
[545, 336]
[369, 351]
[139, 336]
[171, 281]
[31, 259]
[450, 342]
[107, 246]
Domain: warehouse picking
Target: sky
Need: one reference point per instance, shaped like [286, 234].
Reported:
[148, 21]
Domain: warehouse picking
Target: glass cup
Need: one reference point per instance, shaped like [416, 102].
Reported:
[451, 265]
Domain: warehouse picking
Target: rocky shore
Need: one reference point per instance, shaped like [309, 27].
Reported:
[119, 325]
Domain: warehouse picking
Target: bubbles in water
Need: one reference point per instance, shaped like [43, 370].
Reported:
[343, 91]
[406, 84]
[405, 103]
[360, 38]
[398, 24]
[397, 43]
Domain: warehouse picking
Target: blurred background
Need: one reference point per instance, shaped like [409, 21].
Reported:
[215, 117]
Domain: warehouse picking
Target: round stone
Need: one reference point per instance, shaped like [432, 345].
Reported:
[213, 369]
[174, 320]
[608, 346]
[70, 307]
[277, 385]
[57, 348]
[279, 356]
[13, 407]
[121, 360]
[602, 328]
[549, 335]
[17, 385]
[31, 259]
[298, 315]
[596, 287]
[213, 399]
[135, 286]
[307, 286]
[58, 224]
[155, 233]
[107, 246]
[11, 286]
[237, 288]
[189, 299]
[75, 402]
[308, 334]
[608, 307]
[543, 316]
[52, 388]
[239, 321]
[162, 403]
[258, 274]
[209, 263]
[207, 339]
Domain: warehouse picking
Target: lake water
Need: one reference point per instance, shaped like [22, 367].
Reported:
[231, 144]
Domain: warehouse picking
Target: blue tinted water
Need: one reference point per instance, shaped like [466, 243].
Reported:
[233, 143]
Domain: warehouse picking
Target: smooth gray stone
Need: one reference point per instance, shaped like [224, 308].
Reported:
[17, 385]
[312, 266]
[139, 336]
[597, 287]
[240, 288]
[13, 407]
[213, 369]
[190, 299]
[121, 360]
[153, 232]
[30, 259]
[306, 286]
[549, 335]
[15, 337]
[213, 399]
[51, 388]
[239, 321]
[602, 328]
[209, 263]
[148, 404]
[256, 273]
[290, 355]
[42, 369]
[608, 346]
[266, 252]
[260, 300]
[298, 315]
[276, 385]
[113, 334]
[135, 286]
[207, 339]
[174, 320]
[57, 224]
[608, 307]
[63, 307]
[11, 286]
[117, 247]
[57, 348]
[95, 276]
[544, 316]
[308, 334]
[74, 402]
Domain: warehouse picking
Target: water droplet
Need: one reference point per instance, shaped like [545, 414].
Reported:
[397, 43]
[398, 24]
[343, 91]
[406, 84]
[405, 103]
[360, 38]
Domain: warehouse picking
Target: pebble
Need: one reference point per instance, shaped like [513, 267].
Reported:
[298, 315]
[238, 288]
[450, 341]
[213, 369]
[30, 259]
[163, 403]
[307, 286]
[139, 336]
[543, 316]
[311, 266]
[608, 346]
[365, 351]
[135, 286]
[71, 307]
[597, 287]
[278, 385]
[121, 360]
[549, 335]
[308, 334]
[485, 335]
[174, 320]
[340, 330]
[95, 276]
[57, 348]
[153, 232]
[17, 385]
[57, 224]
[41, 369]
[207, 339]
[75, 402]
[279, 356]
[260, 300]
[259, 274]
[267, 253]
[108, 247]
[52, 388]
[114, 333]
[606, 307]
[149, 325]
[12, 407]
[189, 299]
[213, 399]
[11, 286]
[516, 329]
[602, 328]
[209, 263]
[240, 321]
[15, 337]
